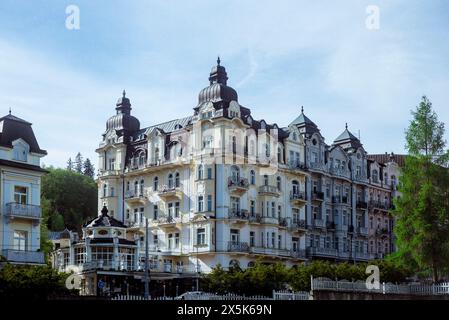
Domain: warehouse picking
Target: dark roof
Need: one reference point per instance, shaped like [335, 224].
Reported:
[167, 126]
[104, 220]
[21, 165]
[56, 235]
[347, 137]
[385, 158]
[13, 128]
[302, 121]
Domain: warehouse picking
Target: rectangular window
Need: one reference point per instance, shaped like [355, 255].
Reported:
[273, 209]
[170, 241]
[170, 209]
[295, 215]
[201, 236]
[155, 212]
[20, 241]
[251, 238]
[295, 244]
[209, 173]
[176, 209]
[20, 195]
[209, 203]
[200, 203]
[112, 164]
[235, 235]
[279, 241]
[155, 240]
[252, 207]
[176, 240]
[273, 239]
[142, 214]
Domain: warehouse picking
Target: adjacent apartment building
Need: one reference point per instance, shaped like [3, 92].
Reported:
[20, 186]
[220, 187]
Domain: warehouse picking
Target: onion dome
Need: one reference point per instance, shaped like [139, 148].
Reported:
[123, 120]
[218, 89]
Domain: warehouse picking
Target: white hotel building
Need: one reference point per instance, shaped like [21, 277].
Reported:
[220, 187]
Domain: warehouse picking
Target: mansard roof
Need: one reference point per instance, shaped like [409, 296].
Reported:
[385, 158]
[347, 137]
[167, 127]
[13, 128]
[303, 122]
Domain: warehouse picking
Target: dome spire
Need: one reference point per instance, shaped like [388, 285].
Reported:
[302, 109]
[218, 74]
[218, 61]
[346, 126]
[124, 93]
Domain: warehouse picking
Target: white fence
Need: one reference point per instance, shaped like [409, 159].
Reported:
[326, 284]
[277, 295]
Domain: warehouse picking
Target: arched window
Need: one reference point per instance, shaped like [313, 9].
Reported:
[200, 172]
[278, 183]
[155, 183]
[252, 176]
[142, 159]
[177, 183]
[265, 180]
[136, 188]
[234, 145]
[170, 181]
[235, 174]
[142, 184]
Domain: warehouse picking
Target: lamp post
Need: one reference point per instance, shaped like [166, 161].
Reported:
[147, 271]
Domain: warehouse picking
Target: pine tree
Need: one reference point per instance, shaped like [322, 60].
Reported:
[89, 169]
[422, 210]
[70, 164]
[79, 163]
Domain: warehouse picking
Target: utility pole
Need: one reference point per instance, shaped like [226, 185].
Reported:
[146, 277]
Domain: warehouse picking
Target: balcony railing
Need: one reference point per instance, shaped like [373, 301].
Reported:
[18, 256]
[318, 223]
[298, 253]
[340, 172]
[256, 218]
[362, 205]
[322, 252]
[238, 246]
[238, 215]
[380, 205]
[23, 210]
[317, 196]
[295, 164]
[269, 251]
[330, 225]
[170, 191]
[362, 231]
[299, 196]
[131, 194]
[239, 185]
[269, 190]
[336, 199]
[316, 166]
[283, 222]
[298, 225]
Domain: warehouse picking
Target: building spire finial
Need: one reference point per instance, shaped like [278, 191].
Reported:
[302, 109]
[218, 61]
[346, 125]
[9, 110]
[124, 93]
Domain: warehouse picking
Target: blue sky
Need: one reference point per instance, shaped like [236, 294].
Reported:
[279, 55]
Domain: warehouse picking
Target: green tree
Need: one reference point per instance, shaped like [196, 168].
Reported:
[78, 165]
[422, 211]
[70, 164]
[88, 169]
[69, 199]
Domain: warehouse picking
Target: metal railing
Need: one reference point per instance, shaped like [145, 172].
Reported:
[14, 209]
[238, 214]
[234, 246]
[268, 189]
[298, 195]
[20, 256]
[238, 183]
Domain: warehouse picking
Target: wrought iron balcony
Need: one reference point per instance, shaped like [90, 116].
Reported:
[362, 230]
[319, 223]
[322, 252]
[298, 253]
[234, 246]
[19, 256]
[240, 185]
[283, 222]
[170, 192]
[317, 196]
[255, 218]
[330, 225]
[17, 210]
[298, 197]
[298, 225]
[362, 205]
[295, 164]
[238, 215]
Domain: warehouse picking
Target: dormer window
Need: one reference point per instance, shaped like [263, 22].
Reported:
[206, 115]
[20, 150]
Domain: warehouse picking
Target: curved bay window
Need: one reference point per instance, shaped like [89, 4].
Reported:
[102, 256]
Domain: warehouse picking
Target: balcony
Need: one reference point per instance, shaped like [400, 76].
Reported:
[365, 256]
[317, 196]
[345, 200]
[167, 193]
[255, 218]
[269, 251]
[239, 215]
[296, 165]
[270, 191]
[340, 173]
[322, 252]
[283, 223]
[108, 173]
[298, 254]
[27, 211]
[382, 232]
[316, 166]
[234, 246]
[24, 257]
[238, 186]
[298, 198]
[362, 205]
[168, 222]
[298, 225]
[330, 225]
[318, 223]
[379, 205]
[135, 197]
[362, 231]
[336, 199]
[269, 220]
